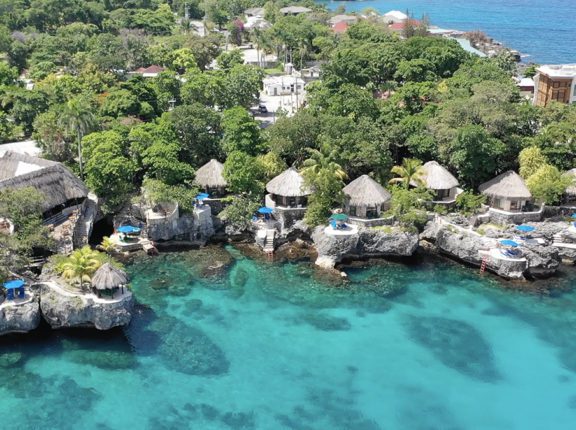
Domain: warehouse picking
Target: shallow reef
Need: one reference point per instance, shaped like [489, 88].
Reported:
[456, 344]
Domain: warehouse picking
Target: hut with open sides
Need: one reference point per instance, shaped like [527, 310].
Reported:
[571, 190]
[440, 181]
[287, 190]
[210, 177]
[108, 280]
[365, 198]
[507, 192]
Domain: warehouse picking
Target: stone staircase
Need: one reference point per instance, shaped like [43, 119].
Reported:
[269, 241]
[83, 228]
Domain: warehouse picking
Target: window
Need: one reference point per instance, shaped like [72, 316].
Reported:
[497, 203]
[556, 85]
[515, 205]
[352, 210]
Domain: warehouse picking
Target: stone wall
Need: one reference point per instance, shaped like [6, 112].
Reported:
[197, 226]
[501, 217]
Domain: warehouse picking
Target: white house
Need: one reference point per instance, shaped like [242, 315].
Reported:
[394, 16]
[283, 85]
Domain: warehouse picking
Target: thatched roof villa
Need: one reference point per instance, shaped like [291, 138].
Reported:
[288, 190]
[440, 181]
[108, 279]
[59, 186]
[507, 192]
[365, 198]
[210, 177]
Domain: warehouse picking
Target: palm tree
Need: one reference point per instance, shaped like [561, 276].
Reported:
[409, 172]
[322, 161]
[77, 117]
[81, 265]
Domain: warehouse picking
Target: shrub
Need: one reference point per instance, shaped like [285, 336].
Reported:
[468, 203]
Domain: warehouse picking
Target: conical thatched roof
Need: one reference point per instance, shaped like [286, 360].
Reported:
[437, 177]
[506, 185]
[365, 191]
[571, 190]
[108, 277]
[289, 183]
[211, 175]
[53, 180]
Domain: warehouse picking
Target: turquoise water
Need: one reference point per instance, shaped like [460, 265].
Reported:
[543, 29]
[221, 341]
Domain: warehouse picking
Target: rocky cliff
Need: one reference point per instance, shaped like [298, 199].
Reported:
[465, 245]
[19, 318]
[366, 243]
[62, 309]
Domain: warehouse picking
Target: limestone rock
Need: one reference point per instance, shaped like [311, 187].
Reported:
[19, 318]
[366, 243]
[67, 310]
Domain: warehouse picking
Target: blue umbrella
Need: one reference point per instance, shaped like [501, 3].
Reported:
[128, 229]
[574, 216]
[202, 196]
[13, 285]
[508, 242]
[525, 228]
[265, 210]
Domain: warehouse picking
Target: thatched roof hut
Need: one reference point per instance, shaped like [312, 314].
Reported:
[108, 277]
[508, 185]
[437, 177]
[365, 191]
[571, 190]
[211, 175]
[289, 183]
[53, 180]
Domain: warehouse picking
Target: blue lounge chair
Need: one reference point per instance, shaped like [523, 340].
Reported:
[333, 224]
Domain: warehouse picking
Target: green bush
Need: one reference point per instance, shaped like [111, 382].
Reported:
[468, 203]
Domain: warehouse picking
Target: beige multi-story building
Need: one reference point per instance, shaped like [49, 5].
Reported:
[555, 83]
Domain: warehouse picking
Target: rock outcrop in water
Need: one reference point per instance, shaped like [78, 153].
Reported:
[19, 318]
[465, 245]
[62, 309]
[368, 242]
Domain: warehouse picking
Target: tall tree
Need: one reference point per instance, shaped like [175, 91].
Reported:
[77, 118]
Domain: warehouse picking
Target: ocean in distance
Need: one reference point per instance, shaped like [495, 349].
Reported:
[220, 341]
[544, 30]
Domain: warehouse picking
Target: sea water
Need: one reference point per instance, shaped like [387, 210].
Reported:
[222, 341]
[544, 30]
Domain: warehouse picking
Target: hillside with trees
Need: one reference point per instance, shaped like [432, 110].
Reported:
[382, 99]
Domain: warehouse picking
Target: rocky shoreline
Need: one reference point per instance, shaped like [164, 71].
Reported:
[62, 309]
[452, 236]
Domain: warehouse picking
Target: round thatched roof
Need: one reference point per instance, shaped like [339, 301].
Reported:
[509, 185]
[437, 177]
[108, 277]
[211, 175]
[571, 190]
[365, 191]
[289, 183]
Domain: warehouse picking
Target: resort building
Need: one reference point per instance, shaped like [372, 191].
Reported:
[348, 19]
[288, 196]
[210, 178]
[440, 181]
[365, 200]
[283, 85]
[394, 16]
[62, 191]
[507, 192]
[148, 72]
[294, 10]
[257, 12]
[555, 83]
